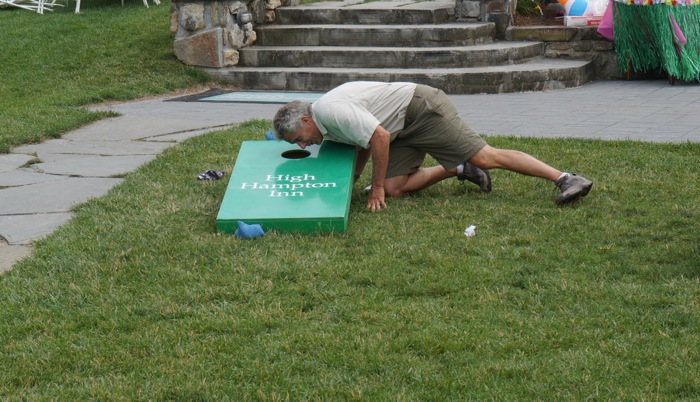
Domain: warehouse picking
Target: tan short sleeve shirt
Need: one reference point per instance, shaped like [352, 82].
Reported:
[351, 112]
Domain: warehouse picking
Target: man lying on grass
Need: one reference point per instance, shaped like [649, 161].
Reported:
[397, 124]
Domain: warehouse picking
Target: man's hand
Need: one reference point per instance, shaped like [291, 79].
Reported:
[375, 199]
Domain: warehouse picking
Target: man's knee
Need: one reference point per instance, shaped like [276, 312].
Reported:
[485, 158]
[394, 186]
[393, 191]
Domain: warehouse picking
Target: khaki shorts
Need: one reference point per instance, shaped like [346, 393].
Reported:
[433, 127]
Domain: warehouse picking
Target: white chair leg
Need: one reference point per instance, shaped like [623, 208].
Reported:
[77, 6]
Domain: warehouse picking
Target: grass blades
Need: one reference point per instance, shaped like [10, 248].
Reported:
[56, 63]
[138, 298]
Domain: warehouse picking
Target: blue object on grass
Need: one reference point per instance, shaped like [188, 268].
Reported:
[270, 136]
[246, 231]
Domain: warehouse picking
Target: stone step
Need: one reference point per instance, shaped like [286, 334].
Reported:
[536, 75]
[390, 57]
[380, 12]
[421, 35]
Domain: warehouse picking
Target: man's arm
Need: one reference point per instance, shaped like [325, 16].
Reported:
[379, 148]
[362, 158]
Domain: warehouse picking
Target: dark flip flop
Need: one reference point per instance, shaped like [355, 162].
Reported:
[210, 175]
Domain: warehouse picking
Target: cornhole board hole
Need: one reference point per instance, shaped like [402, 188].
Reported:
[283, 187]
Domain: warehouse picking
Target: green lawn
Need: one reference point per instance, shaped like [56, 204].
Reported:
[138, 298]
[53, 64]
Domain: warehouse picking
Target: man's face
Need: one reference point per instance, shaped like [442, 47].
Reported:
[307, 135]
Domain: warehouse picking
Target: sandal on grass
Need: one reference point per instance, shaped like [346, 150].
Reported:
[210, 175]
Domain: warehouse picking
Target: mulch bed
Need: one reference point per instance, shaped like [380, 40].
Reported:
[525, 20]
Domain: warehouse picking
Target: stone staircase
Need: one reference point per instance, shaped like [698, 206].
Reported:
[320, 46]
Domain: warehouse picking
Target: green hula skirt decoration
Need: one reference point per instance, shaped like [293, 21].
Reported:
[658, 35]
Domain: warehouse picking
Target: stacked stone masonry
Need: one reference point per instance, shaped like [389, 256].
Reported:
[499, 12]
[574, 43]
[210, 33]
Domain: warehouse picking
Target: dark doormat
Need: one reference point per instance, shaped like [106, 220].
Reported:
[221, 95]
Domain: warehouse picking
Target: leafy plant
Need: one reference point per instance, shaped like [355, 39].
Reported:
[528, 7]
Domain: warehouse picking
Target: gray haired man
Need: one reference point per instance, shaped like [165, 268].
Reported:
[397, 124]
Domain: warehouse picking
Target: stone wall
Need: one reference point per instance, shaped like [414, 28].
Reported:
[209, 33]
[583, 43]
[500, 12]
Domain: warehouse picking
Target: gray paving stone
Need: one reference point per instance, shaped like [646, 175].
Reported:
[9, 255]
[185, 135]
[207, 115]
[57, 196]
[610, 110]
[23, 178]
[44, 157]
[24, 229]
[329, 4]
[132, 128]
[91, 147]
[380, 5]
[9, 162]
[94, 166]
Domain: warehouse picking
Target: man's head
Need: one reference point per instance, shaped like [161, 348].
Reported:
[294, 124]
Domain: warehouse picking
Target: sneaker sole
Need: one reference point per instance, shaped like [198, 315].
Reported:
[488, 182]
[575, 197]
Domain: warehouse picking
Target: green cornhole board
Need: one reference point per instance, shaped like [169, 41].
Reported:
[275, 185]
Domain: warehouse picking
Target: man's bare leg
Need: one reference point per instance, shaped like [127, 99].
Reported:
[572, 186]
[515, 161]
[424, 177]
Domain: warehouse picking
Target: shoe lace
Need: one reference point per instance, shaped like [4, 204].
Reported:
[562, 184]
